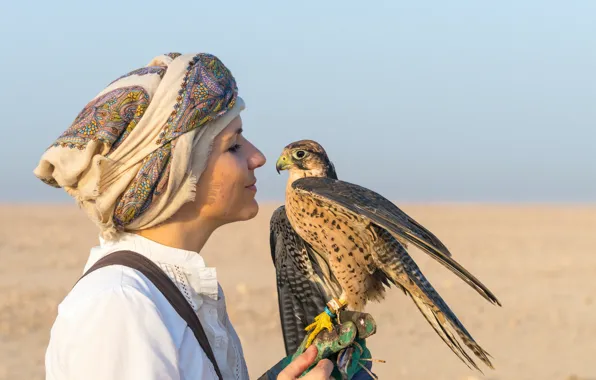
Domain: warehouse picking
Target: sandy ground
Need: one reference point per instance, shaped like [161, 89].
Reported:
[539, 260]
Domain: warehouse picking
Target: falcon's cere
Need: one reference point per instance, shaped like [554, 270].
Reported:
[338, 245]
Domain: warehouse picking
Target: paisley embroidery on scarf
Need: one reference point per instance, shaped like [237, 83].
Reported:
[147, 184]
[162, 183]
[208, 91]
[160, 70]
[173, 55]
[52, 182]
[109, 118]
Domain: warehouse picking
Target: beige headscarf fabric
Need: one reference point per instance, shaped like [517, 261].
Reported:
[134, 154]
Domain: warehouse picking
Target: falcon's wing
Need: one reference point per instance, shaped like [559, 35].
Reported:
[382, 212]
[304, 281]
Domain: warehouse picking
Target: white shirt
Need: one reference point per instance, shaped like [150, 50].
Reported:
[115, 324]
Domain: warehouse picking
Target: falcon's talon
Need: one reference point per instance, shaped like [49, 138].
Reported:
[322, 321]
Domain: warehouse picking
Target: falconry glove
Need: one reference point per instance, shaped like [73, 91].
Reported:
[344, 345]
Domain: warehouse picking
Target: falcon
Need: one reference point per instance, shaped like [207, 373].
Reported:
[337, 245]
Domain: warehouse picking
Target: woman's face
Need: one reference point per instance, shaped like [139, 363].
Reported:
[226, 189]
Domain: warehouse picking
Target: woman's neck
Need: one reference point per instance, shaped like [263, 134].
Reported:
[180, 232]
[171, 236]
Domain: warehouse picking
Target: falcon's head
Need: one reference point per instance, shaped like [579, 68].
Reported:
[305, 158]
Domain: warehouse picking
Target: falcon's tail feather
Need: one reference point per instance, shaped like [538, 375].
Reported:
[447, 332]
[399, 266]
[440, 317]
[462, 273]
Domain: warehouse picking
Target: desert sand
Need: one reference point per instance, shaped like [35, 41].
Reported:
[540, 261]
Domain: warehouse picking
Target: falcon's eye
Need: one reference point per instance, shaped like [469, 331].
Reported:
[299, 154]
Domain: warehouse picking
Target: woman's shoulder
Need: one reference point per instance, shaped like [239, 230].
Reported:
[113, 289]
[113, 283]
[120, 297]
[114, 313]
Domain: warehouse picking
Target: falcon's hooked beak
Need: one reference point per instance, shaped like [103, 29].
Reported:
[283, 163]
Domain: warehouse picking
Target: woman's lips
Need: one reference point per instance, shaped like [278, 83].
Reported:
[252, 187]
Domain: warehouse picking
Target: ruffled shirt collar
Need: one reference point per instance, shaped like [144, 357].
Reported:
[201, 278]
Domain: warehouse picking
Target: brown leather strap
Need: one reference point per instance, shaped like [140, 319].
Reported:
[166, 287]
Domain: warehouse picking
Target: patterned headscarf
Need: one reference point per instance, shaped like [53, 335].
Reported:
[133, 155]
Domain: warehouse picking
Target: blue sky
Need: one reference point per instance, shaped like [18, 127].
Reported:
[425, 101]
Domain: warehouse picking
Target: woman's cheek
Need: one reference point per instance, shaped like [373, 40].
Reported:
[224, 196]
[214, 194]
[226, 192]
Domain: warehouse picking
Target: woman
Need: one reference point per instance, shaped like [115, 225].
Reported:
[158, 161]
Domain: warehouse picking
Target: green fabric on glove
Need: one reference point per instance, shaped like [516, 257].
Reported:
[338, 346]
[330, 342]
[348, 362]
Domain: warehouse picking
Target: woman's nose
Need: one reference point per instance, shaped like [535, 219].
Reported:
[256, 160]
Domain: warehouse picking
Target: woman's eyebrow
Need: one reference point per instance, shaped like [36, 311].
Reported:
[232, 135]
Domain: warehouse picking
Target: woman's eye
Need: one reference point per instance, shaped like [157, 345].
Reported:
[234, 148]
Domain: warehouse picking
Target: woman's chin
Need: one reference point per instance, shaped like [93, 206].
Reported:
[252, 209]
[248, 212]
